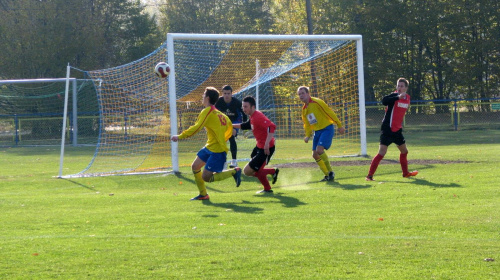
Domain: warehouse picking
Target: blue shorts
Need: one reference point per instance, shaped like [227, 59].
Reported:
[323, 137]
[214, 162]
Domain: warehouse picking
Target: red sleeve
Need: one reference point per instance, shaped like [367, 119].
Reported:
[271, 127]
[266, 123]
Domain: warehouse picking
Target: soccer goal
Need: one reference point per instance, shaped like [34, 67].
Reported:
[140, 111]
[31, 112]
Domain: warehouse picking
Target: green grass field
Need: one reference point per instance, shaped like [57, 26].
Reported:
[444, 224]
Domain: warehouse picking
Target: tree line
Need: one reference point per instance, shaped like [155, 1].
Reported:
[446, 48]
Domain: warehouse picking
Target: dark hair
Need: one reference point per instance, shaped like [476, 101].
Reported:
[213, 94]
[227, 87]
[249, 99]
[404, 81]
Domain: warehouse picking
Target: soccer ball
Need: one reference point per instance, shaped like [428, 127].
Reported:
[162, 69]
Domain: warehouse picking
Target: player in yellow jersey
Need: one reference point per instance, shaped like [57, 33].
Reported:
[213, 156]
[318, 118]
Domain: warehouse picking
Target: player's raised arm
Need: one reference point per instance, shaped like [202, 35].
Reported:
[199, 124]
[390, 99]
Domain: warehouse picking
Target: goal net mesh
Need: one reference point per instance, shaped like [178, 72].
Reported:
[31, 113]
[134, 103]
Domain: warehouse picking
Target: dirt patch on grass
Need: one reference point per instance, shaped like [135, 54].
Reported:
[366, 162]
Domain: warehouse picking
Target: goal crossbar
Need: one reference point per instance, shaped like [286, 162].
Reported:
[139, 112]
[171, 37]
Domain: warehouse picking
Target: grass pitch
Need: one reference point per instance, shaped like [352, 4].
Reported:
[444, 224]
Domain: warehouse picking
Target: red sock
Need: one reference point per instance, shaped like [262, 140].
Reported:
[262, 176]
[404, 163]
[373, 166]
[267, 171]
[263, 179]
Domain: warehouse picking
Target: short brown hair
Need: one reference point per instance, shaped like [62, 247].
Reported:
[213, 94]
[404, 81]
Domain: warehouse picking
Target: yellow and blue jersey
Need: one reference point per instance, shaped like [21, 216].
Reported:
[219, 129]
[317, 115]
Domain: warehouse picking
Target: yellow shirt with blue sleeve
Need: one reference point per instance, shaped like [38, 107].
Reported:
[219, 129]
[317, 115]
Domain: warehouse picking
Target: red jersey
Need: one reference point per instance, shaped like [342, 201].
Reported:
[395, 111]
[260, 126]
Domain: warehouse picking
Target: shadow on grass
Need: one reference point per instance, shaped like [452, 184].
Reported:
[244, 206]
[287, 201]
[334, 184]
[348, 187]
[230, 183]
[415, 180]
[189, 178]
[381, 174]
[423, 182]
[79, 184]
[235, 207]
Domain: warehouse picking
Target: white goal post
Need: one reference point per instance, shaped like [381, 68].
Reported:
[138, 111]
[56, 80]
[172, 37]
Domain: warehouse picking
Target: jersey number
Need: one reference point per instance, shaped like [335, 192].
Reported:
[222, 120]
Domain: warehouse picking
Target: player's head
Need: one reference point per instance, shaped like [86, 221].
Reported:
[212, 94]
[248, 105]
[402, 85]
[303, 93]
[227, 93]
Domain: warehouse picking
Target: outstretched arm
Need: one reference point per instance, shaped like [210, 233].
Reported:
[390, 99]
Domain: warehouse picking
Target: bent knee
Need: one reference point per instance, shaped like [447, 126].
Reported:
[248, 171]
[206, 177]
[316, 155]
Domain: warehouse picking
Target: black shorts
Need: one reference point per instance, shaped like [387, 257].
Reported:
[259, 158]
[387, 137]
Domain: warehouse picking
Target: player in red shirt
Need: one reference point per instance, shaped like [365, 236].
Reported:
[263, 130]
[392, 132]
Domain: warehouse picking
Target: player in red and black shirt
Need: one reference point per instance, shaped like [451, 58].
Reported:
[263, 130]
[392, 132]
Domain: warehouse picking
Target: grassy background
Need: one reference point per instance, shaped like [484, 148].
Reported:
[442, 225]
